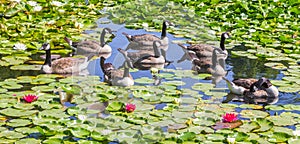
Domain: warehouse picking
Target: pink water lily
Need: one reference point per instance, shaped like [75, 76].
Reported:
[130, 107]
[30, 98]
[230, 117]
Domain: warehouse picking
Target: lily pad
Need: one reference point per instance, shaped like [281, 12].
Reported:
[17, 113]
[253, 114]
[26, 67]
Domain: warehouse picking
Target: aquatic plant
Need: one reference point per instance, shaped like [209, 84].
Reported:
[229, 117]
[130, 107]
[30, 98]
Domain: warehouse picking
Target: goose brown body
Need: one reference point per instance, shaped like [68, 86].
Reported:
[260, 88]
[205, 50]
[145, 41]
[246, 83]
[91, 46]
[147, 60]
[68, 65]
[116, 77]
[65, 65]
[214, 65]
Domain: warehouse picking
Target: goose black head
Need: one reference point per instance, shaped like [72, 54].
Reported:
[45, 46]
[168, 23]
[262, 84]
[266, 83]
[225, 35]
[108, 30]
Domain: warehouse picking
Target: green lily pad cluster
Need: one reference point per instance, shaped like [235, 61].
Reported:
[79, 109]
[25, 25]
[97, 113]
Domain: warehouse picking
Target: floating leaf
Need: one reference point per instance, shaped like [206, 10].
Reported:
[253, 114]
[26, 67]
[12, 135]
[282, 121]
[28, 140]
[115, 106]
[264, 125]
[231, 125]
[17, 113]
[278, 66]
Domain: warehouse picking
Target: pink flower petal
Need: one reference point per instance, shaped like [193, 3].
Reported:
[229, 117]
[130, 107]
[30, 98]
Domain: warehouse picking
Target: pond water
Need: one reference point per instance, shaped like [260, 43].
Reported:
[183, 108]
[238, 67]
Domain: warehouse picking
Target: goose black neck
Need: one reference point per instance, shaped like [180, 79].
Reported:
[48, 58]
[102, 59]
[102, 42]
[222, 43]
[126, 70]
[164, 30]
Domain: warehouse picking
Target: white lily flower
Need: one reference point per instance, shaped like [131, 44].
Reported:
[61, 11]
[32, 3]
[37, 8]
[81, 117]
[78, 25]
[296, 132]
[51, 22]
[57, 3]
[231, 140]
[20, 46]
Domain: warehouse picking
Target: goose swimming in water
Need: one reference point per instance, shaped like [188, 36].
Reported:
[205, 50]
[66, 65]
[145, 41]
[117, 77]
[91, 46]
[259, 88]
[149, 60]
[214, 65]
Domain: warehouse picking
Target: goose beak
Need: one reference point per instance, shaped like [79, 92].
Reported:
[45, 46]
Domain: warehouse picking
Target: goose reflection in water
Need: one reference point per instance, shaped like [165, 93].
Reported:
[260, 100]
[147, 59]
[214, 65]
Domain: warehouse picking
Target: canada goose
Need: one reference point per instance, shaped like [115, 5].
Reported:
[260, 88]
[66, 65]
[205, 50]
[214, 65]
[149, 60]
[145, 41]
[91, 46]
[115, 76]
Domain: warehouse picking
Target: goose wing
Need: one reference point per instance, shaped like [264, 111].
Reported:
[246, 83]
[256, 94]
[68, 65]
[145, 39]
[201, 47]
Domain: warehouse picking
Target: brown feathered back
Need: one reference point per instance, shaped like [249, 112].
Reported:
[246, 83]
